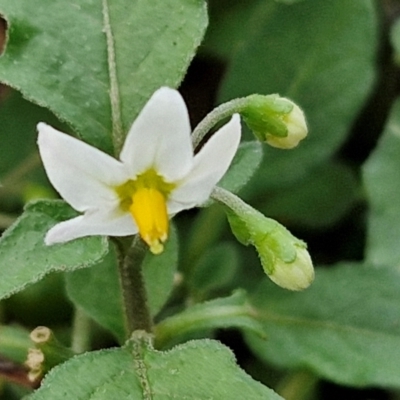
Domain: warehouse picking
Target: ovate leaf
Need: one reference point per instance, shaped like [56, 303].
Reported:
[57, 55]
[343, 328]
[321, 199]
[197, 370]
[227, 22]
[395, 40]
[97, 291]
[215, 270]
[18, 120]
[159, 272]
[383, 189]
[244, 165]
[325, 64]
[24, 258]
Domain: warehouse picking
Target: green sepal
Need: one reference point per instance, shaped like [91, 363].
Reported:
[270, 238]
[263, 114]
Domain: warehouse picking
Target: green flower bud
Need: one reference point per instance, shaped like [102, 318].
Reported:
[294, 275]
[275, 120]
[284, 258]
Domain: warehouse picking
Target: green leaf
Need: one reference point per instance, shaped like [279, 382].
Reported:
[343, 328]
[43, 301]
[18, 120]
[97, 290]
[58, 57]
[228, 312]
[395, 40]
[25, 259]
[329, 73]
[215, 270]
[159, 272]
[244, 164]
[197, 370]
[382, 184]
[227, 19]
[21, 174]
[288, 1]
[321, 199]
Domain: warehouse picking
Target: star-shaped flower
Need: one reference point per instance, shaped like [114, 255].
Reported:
[156, 177]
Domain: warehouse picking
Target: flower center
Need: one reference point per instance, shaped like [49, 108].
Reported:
[145, 199]
[149, 211]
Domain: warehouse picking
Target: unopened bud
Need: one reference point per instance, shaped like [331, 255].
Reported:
[296, 275]
[275, 120]
[284, 258]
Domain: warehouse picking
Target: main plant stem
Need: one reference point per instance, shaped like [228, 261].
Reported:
[134, 293]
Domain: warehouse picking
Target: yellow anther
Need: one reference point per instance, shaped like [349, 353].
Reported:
[149, 211]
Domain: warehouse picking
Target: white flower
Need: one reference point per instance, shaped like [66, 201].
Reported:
[156, 177]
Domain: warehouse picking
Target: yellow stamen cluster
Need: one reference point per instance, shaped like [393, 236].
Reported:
[149, 211]
[146, 200]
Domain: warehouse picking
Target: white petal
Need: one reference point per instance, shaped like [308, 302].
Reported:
[82, 174]
[210, 165]
[89, 224]
[160, 137]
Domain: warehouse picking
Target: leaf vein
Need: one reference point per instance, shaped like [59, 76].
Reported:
[117, 132]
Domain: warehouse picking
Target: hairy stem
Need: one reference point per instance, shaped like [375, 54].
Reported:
[218, 114]
[130, 262]
[232, 201]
